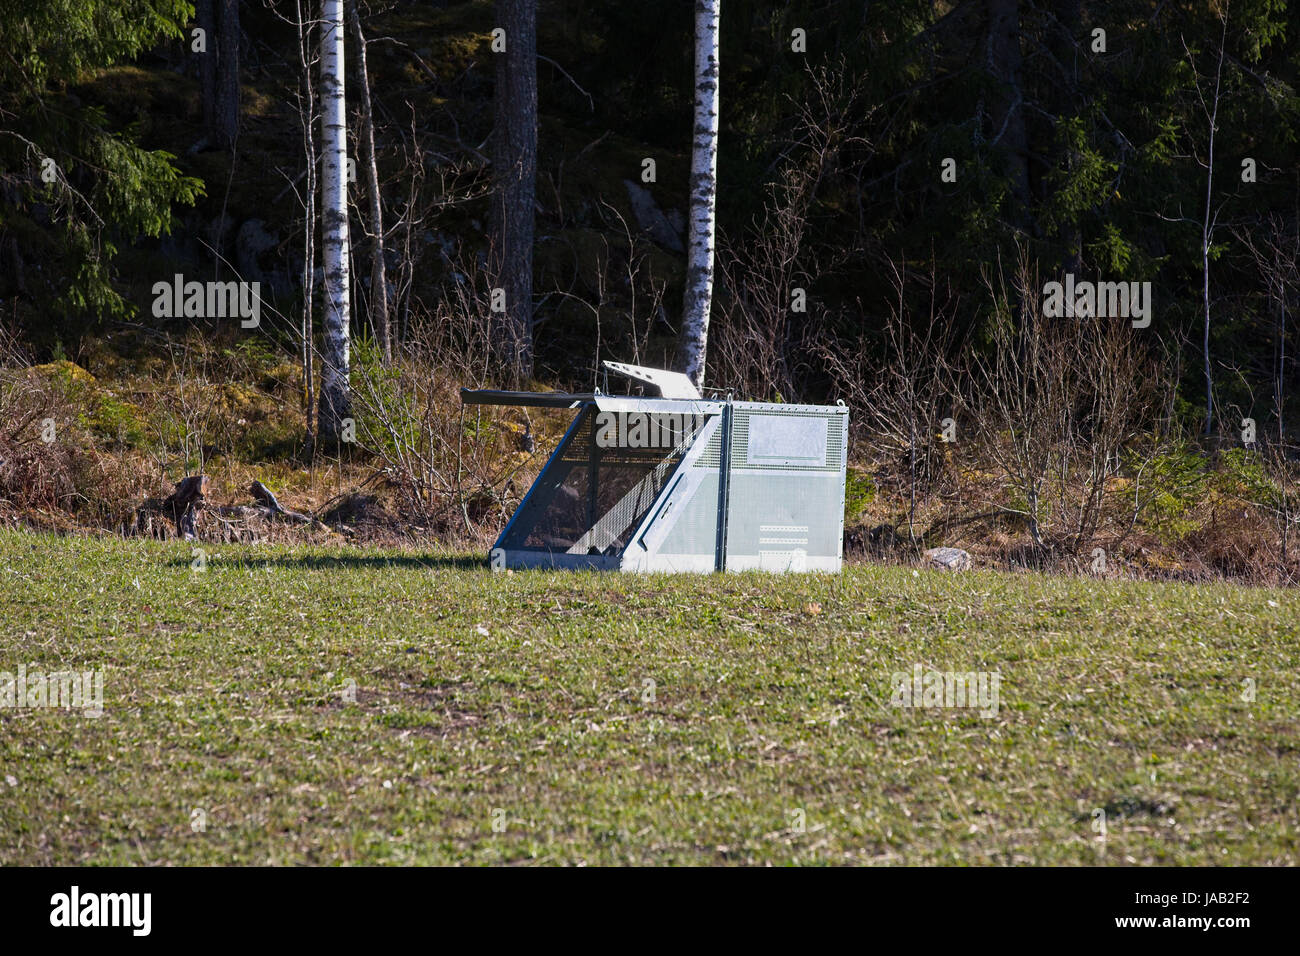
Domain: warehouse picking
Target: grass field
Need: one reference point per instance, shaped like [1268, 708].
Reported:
[510, 718]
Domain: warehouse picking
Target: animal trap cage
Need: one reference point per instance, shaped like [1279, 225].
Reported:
[680, 483]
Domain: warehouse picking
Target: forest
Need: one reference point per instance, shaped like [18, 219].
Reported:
[1045, 250]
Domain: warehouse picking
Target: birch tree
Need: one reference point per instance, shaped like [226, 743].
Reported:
[693, 344]
[1208, 221]
[335, 392]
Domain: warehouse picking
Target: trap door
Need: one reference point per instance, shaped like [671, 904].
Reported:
[786, 467]
[589, 499]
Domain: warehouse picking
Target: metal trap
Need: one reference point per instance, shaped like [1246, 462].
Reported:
[680, 483]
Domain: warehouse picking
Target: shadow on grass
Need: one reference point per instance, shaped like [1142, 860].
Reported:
[326, 562]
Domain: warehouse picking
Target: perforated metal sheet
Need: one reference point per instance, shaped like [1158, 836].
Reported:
[696, 527]
[836, 435]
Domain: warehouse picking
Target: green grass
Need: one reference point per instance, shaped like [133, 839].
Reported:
[223, 690]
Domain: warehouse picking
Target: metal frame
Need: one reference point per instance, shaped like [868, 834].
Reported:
[724, 488]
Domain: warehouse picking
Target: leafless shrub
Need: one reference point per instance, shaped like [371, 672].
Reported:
[39, 463]
[183, 427]
[622, 293]
[643, 291]
[409, 418]
[901, 389]
[1056, 405]
[760, 338]
[1274, 245]
[1258, 472]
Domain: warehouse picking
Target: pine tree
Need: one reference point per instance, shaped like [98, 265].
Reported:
[66, 164]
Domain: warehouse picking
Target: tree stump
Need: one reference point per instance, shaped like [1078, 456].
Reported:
[179, 506]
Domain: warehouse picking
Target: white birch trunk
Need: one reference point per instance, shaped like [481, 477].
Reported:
[335, 393]
[693, 344]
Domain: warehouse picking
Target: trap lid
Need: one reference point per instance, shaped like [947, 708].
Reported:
[670, 384]
[674, 388]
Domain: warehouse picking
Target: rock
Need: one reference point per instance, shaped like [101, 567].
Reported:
[947, 559]
[677, 220]
[63, 372]
[650, 218]
[250, 242]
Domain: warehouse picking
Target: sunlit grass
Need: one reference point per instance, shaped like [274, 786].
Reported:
[526, 700]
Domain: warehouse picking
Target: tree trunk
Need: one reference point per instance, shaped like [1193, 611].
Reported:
[514, 160]
[335, 392]
[693, 345]
[378, 269]
[1207, 233]
[225, 118]
[179, 506]
[1064, 44]
[1205, 296]
[1003, 60]
[205, 16]
[1279, 392]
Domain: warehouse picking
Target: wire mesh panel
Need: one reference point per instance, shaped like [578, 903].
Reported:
[591, 498]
